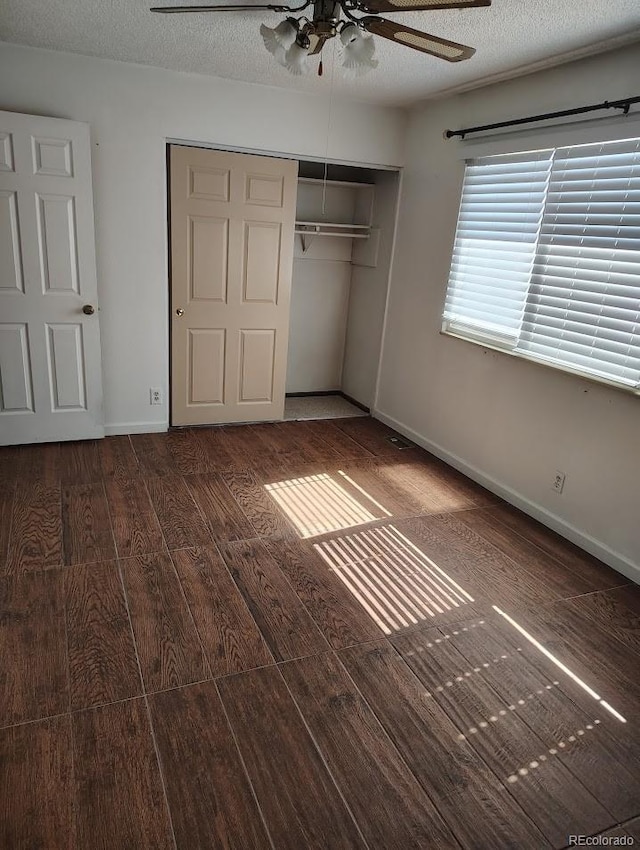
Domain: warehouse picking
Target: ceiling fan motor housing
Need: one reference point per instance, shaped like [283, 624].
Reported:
[326, 12]
[326, 16]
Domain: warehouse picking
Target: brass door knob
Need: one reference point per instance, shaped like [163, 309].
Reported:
[179, 311]
[88, 309]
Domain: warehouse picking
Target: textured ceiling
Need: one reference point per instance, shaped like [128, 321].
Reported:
[509, 36]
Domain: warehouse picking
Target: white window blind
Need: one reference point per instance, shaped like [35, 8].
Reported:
[546, 260]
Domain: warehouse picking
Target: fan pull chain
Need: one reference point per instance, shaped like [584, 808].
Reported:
[326, 151]
[320, 69]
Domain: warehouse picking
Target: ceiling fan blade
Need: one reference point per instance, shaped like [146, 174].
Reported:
[422, 41]
[171, 10]
[418, 5]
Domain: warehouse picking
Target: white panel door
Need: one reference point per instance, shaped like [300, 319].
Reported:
[232, 223]
[50, 365]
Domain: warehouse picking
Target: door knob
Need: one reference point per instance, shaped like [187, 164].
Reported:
[179, 311]
[88, 309]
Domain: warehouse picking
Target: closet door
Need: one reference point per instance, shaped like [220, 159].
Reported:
[232, 224]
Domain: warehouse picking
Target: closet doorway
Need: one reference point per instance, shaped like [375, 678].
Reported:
[279, 279]
[345, 223]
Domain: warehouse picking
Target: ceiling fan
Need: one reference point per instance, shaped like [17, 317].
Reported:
[296, 38]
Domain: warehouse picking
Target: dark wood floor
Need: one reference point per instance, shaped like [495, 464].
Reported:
[298, 636]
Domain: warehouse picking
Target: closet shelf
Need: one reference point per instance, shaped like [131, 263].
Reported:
[348, 184]
[323, 228]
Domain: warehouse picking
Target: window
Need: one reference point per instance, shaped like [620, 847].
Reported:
[546, 261]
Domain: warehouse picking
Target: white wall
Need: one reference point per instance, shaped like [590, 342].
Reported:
[319, 304]
[337, 306]
[368, 297]
[132, 111]
[510, 422]
[319, 293]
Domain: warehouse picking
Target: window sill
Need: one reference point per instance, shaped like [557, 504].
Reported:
[557, 367]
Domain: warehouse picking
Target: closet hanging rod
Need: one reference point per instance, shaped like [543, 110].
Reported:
[624, 104]
[325, 233]
[345, 184]
[333, 224]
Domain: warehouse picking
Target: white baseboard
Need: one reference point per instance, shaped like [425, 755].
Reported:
[118, 428]
[615, 560]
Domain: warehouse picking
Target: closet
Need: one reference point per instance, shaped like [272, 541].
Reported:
[278, 285]
[342, 253]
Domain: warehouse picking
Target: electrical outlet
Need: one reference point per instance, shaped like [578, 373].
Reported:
[155, 395]
[558, 482]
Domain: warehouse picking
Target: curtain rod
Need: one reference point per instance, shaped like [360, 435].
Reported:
[623, 104]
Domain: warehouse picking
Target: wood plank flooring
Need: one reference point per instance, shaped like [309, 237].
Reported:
[101, 653]
[118, 790]
[299, 800]
[194, 739]
[86, 528]
[297, 636]
[169, 648]
[36, 763]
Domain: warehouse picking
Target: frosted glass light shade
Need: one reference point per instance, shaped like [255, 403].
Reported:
[295, 59]
[358, 52]
[349, 33]
[281, 36]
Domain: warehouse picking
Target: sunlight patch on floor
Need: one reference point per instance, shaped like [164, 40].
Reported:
[394, 581]
[317, 504]
[560, 665]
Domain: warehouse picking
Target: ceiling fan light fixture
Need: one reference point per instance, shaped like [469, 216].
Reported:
[358, 52]
[295, 58]
[348, 33]
[282, 36]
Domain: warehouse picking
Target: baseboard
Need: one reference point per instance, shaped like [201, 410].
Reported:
[118, 428]
[618, 562]
[356, 403]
